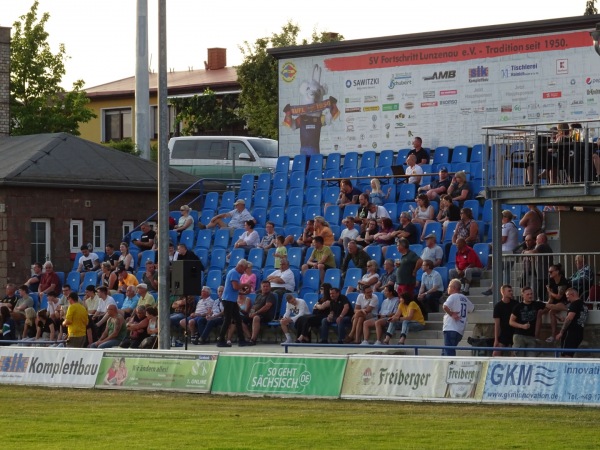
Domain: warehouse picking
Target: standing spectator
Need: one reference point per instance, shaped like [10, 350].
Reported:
[466, 228]
[294, 309]
[263, 311]
[536, 265]
[180, 309]
[467, 264]
[438, 187]
[510, 234]
[239, 216]
[358, 256]
[583, 278]
[532, 221]
[421, 155]
[49, 282]
[76, 321]
[503, 332]
[571, 334]
[459, 189]
[231, 309]
[432, 251]
[186, 221]
[409, 315]
[406, 268]
[322, 258]
[366, 306]
[431, 288]
[557, 298]
[34, 281]
[341, 313]
[413, 170]
[524, 319]
[456, 308]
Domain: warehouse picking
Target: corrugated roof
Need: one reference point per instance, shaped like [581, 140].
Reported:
[185, 81]
[62, 160]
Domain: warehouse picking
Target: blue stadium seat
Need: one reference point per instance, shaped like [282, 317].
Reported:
[367, 159]
[333, 161]
[73, 280]
[280, 181]
[246, 195]
[462, 167]
[313, 196]
[236, 236]
[79, 255]
[477, 153]
[282, 165]
[269, 262]
[205, 217]
[386, 158]
[450, 231]
[297, 180]
[443, 271]
[260, 216]
[483, 251]
[295, 257]
[407, 192]
[277, 215]
[256, 256]
[441, 155]
[337, 255]
[227, 199]
[202, 254]
[278, 197]
[217, 259]
[211, 201]
[261, 199]
[374, 252]
[333, 277]
[295, 231]
[150, 255]
[350, 160]
[90, 278]
[119, 300]
[474, 205]
[247, 182]
[401, 157]
[392, 252]
[299, 163]
[330, 195]
[332, 215]
[392, 209]
[204, 239]
[460, 154]
[214, 279]
[294, 215]
[331, 173]
[311, 281]
[311, 299]
[417, 248]
[313, 178]
[451, 258]
[352, 277]
[349, 172]
[434, 228]
[312, 211]
[476, 170]
[187, 238]
[296, 197]
[221, 240]
[264, 182]
[351, 210]
[315, 162]
[234, 256]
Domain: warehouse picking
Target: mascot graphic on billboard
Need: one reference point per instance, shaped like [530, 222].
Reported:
[312, 113]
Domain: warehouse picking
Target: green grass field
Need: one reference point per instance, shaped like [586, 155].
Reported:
[95, 419]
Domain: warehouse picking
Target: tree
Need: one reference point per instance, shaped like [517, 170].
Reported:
[207, 113]
[590, 8]
[37, 103]
[257, 76]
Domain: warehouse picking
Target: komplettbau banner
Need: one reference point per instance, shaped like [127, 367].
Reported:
[66, 367]
[414, 378]
[270, 374]
[157, 370]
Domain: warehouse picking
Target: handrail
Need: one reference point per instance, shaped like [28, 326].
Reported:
[32, 343]
[416, 348]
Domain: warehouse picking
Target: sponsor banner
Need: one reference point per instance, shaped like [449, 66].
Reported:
[290, 375]
[542, 381]
[411, 378]
[49, 366]
[186, 371]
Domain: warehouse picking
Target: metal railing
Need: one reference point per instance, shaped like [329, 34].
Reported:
[537, 154]
[532, 270]
[557, 351]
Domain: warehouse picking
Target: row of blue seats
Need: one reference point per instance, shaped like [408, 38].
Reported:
[371, 159]
[43, 303]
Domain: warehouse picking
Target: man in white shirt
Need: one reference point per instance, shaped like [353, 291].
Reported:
[239, 215]
[348, 234]
[413, 170]
[432, 251]
[456, 308]
[282, 280]
[431, 288]
[294, 308]
[88, 261]
[377, 212]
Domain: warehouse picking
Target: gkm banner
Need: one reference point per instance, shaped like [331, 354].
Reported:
[443, 93]
[49, 366]
[413, 378]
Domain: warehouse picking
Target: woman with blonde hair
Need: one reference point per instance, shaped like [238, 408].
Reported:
[459, 189]
[322, 229]
[376, 195]
[29, 330]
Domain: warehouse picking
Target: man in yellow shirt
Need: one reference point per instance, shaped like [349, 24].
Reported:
[76, 321]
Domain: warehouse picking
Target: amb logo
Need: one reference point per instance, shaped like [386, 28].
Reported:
[446, 75]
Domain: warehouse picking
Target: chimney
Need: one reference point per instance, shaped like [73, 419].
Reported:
[217, 58]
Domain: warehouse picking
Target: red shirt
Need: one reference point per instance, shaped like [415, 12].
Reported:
[49, 279]
[467, 257]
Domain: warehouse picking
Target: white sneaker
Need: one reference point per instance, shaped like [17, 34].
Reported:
[378, 343]
[289, 341]
[364, 343]
[550, 340]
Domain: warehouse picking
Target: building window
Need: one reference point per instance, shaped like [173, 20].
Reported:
[116, 124]
[76, 235]
[154, 120]
[99, 241]
[128, 227]
[40, 240]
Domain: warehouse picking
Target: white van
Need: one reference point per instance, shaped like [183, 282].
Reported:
[223, 156]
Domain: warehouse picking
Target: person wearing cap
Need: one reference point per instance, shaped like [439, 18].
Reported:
[438, 186]
[145, 298]
[186, 222]
[432, 251]
[239, 215]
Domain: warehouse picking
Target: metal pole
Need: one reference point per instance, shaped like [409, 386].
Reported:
[142, 94]
[164, 332]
